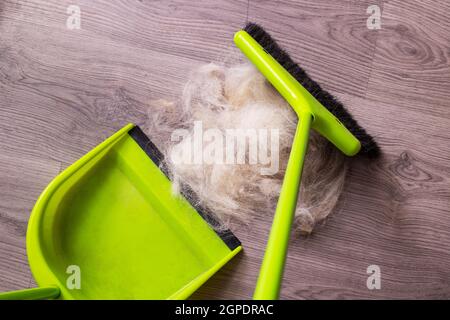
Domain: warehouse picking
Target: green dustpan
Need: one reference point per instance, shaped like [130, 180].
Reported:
[110, 225]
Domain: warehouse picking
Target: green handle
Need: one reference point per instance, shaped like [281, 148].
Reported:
[31, 294]
[271, 273]
[297, 96]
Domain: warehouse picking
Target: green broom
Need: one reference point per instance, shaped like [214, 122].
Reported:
[316, 109]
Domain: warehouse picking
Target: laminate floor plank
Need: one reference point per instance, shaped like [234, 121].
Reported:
[63, 91]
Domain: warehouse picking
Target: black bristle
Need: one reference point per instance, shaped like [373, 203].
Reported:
[368, 145]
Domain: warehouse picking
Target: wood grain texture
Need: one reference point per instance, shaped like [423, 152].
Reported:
[63, 91]
[22, 180]
[411, 66]
[328, 38]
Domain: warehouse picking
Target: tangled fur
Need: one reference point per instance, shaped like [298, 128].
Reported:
[238, 97]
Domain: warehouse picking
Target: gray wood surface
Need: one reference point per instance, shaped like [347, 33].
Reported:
[63, 91]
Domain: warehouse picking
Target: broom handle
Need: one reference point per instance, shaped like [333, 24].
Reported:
[271, 272]
[31, 294]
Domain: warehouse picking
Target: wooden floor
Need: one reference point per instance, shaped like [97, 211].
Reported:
[63, 91]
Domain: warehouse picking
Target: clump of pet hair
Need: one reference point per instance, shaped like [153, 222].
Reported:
[238, 97]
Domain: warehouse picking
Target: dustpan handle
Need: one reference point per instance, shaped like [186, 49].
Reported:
[31, 294]
[271, 272]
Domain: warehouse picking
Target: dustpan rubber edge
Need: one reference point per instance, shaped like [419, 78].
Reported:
[157, 157]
